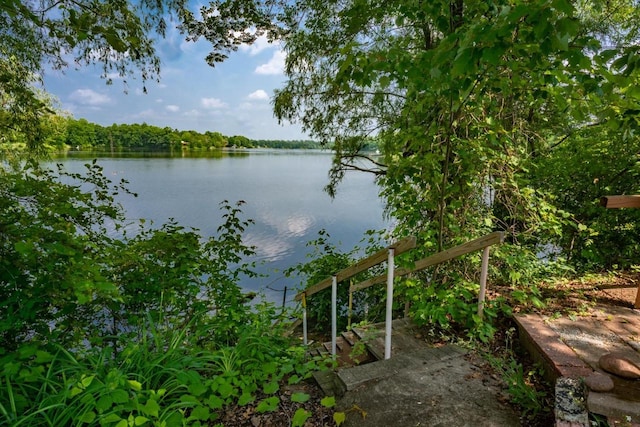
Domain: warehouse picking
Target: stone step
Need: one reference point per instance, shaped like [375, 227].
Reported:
[424, 359]
[403, 337]
[348, 353]
[350, 337]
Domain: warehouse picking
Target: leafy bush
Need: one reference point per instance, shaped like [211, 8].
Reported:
[69, 274]
[166, 379]
[326, 260]
[578, 171]
[100, 328]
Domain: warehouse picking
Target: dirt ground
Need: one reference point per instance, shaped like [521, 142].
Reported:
[580, 296]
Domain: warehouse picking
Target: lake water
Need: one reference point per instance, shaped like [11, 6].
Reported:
[283, 191]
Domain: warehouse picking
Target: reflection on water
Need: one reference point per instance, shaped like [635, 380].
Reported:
[283, 191]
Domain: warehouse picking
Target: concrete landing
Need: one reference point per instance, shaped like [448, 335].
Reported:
[419, 386]
[571, 348]
[424, 360]
[430, 387]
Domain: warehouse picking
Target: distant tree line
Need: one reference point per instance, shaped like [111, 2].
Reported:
[82, 134]
[298, 144]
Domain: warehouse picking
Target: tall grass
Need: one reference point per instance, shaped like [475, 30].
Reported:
[165, 378]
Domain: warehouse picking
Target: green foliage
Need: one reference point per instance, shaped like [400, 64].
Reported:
[300, 417]
[100, 328]
[580, 170]
[519, 385]
[482, 112]
[292, 144]
[119, 36]
[324, 261]
[52, 243]
[61, 133]
[167, 380]
[67, 276]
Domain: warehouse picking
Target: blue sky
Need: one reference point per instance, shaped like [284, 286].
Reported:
[233, 98]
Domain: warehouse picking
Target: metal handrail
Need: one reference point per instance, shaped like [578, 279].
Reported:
[379, 257]
[388, 254]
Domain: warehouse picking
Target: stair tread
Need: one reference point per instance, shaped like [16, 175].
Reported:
[350, 337]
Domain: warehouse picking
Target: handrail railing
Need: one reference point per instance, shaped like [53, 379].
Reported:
[389, 254]
[440, 257]
[398, 247]
[480, 243]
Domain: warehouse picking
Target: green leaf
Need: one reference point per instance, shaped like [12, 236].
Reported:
[564, 6]
[463, 64]
[225, 390]
[245, 398]
[88, 417]
[140, 420]
[300, 397]
[300, 417]
[23, 248]
[328, 402]
[384, 82]
[115, 41]
[120, 396]
[199, 413]
[151, 408]
[492, 55]
[111, 418]
[294, 379]
[86, 381]
[269, 368]
[136, 385]
[339, 418]
[104, 403]
[269, 404]
[214, 402]
[271, 387]
[197, 388]
[188, 398]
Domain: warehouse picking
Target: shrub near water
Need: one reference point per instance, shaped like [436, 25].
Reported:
[149, 330]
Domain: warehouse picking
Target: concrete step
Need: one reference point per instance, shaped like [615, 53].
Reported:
[423, 360]
[403, 337]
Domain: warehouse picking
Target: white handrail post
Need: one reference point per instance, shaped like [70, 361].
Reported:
[334, 314]
[389, 320]
[304, 319]
[483, 281]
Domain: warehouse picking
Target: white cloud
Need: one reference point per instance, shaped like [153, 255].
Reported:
[173, 108]
[258, 46]
[192, 113]
[259, 95]
[274, 66]
[144, 114]
[253, 107]
[89, 97]
[212, 103]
